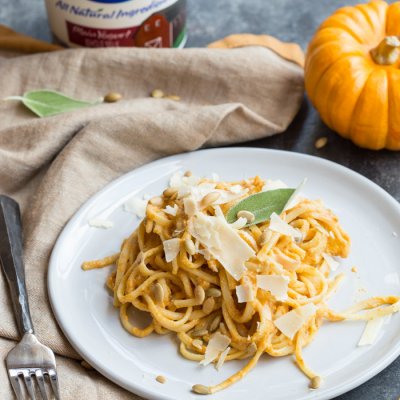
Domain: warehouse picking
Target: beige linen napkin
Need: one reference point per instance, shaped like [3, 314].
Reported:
[53, 165]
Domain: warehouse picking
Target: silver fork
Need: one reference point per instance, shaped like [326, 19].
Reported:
[29, 359]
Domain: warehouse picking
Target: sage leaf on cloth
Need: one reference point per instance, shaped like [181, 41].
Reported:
[45, 103]
[262, 205]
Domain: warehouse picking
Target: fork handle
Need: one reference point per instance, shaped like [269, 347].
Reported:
[11, 259]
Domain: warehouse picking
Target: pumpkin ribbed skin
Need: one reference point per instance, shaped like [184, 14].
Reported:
[354, 95]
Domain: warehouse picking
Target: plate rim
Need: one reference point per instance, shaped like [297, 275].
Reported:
[148, 393]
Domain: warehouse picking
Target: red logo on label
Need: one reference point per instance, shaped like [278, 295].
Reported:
[96, 37]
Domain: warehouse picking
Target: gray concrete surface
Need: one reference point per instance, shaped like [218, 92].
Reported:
[291, 20]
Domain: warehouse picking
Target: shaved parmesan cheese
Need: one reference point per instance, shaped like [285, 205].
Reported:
[239, 223]
[228, 196]
[200, 191]
[290, 323]
[205, 253]
[288, 263]
[371, 331]
[176, 179]
[171, 249]
[136, 206]
[236, 189]
[183, 183]
[218, 211]
[215, 177]
[277, 285]
[332, 263]
[295, 198]
[217, 344]
[278, 225]
[100, 223]
[171, 210]
[271, 184]
[306, 311]
[189, 206]
[222, 358]
[267, 312]
[222, 241]
[245, 291]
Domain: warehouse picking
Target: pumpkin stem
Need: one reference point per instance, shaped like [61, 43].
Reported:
[387, 52]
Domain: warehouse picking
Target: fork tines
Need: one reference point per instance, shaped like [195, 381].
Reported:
[28, 375]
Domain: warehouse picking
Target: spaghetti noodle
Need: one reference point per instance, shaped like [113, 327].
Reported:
[187, 290]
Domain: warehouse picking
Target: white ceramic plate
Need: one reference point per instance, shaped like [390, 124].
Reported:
[85, 313]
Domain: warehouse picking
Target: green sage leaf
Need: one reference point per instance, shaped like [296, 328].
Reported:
[45, 103]
[262, 205]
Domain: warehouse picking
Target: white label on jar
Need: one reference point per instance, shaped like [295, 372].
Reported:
[108, 23]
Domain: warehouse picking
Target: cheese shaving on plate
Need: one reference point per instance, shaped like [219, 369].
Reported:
[171, 210]
[222, 358]
[276, 284]
[136, 206]
[295, 198]
[190, 206]
[217, 344]
[371, 331]
[245, 292]
[277, 224]
[288, 263]
[222, 241]
[332, 263]
[271, 184]
[290, 323]
[182, 183]
[171, 249]
[100, 223]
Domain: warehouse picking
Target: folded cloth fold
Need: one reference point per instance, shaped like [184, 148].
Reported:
[52, 165]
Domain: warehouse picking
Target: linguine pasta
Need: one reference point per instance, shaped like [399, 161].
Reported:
[168, 268]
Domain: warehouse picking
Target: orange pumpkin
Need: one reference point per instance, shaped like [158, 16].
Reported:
[352, 74]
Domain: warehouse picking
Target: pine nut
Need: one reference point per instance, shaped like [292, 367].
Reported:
[242, 331]
[158, 292]
[208, 305]
[197, 343]
[264, 237]
[321, 142]
[169, 192]
[201, 389]
[161, 379]
[173, 97]
[157, 201]
[188, 173]
[180, 225]
[199, 332]
[215, 323]
[246, 214]
[209, 199]
[199, 294]
[223, 329]
[213, 292]
[315, 382]
[190, 247]
[112, 97]
[149, 226]
[157, 94]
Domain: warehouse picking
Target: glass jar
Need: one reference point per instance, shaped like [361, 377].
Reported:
[118, 23]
